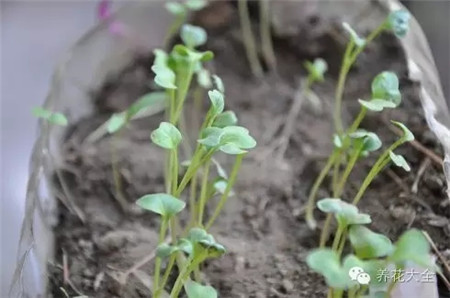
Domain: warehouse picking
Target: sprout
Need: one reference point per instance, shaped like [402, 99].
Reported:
[196, 4]
[386, 86]
[175, 8]
[166, 136]
[399, 161]
[219, 83]
[337, 141]
[345, 213]
[370, 141]
[407, 134]
[161, 203]
[316, 69]
[165, 77]
[368, 244]
[398, 22]
[359, 42]
[196, 290]
[204, 78]
[231, 139]
[55, 118]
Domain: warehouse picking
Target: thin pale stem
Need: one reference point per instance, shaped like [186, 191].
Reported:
[174, 178]
[192, 200]
[337, 238]
[342, 243]
[226, 193]
[312, 195]
[166, 275]
[183, 89]
[347, 171]
[376, 168]
[203, 193]
[264, 29]
[249, 40]
[325, 230]
[162, 235]
[116, 173]
[184, 275]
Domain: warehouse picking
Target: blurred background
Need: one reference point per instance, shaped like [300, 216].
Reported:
[34, 34]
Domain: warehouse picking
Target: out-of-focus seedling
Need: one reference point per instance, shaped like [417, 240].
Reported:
[55, 118]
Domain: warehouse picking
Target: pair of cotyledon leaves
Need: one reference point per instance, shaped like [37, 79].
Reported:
[316, 69]
[198, 245]
[385, 92]
[369, 246]
[397, 22]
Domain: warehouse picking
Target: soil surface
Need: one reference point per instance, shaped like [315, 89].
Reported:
[263, 225]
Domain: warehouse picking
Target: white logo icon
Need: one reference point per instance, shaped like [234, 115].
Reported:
[358, 274]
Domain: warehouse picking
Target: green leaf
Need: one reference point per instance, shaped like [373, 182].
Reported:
[238, 136]
[377, 105]
[220, 170]
[385, 86]
[162, 204]
[175, 8]
[201, 241]
[196, 4]
[232, 149]
[204, 78]
[147, 100]
[337, 141]
[345, 213]
[359, 42]
[164, 250]
[407, 134]
[399, 161]
[368, 244]
[165, 77]
[166, 136]
[413, 246]
[217, 102]
[161, 58]
[326, 262]
[398, 22]
[116, 122]
[317, 69]
[371, 142]
[225, 119]
[211, 136]
[196, 290]
[193, 36]
[219, 83]
[192, 55]
[52, 117]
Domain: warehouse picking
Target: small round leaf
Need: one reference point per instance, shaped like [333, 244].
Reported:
[385, 86]
[219, 83]
[413, 246]
[317, 69]
[377, 105]
[196, 290]
[175, 8]
[196, 4]
[193, 36]
[52, 117]
[371, 142]
[164, 250]
[238, 136]
[368, 244]
[165, 77]
[225, 119]
[162, 204]
[398, 22]
[204, 78]
[399, 161]
[166, 136]
[326, 262]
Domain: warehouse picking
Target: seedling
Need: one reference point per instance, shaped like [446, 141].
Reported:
[55, 118]
[373, 253]
[218, 133]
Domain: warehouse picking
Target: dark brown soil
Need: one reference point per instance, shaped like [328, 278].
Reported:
[263, 225]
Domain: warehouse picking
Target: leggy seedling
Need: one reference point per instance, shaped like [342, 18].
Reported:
[218, 132]
[264, 32]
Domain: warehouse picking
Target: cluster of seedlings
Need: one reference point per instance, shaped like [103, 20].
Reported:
[190, 185]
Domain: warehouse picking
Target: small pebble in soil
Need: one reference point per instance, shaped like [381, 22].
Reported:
[288, 286]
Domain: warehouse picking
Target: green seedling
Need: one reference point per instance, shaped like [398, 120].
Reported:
[397, 22]
[373, 253]
[54, 118]
[384, 94]
[249, 39]
[181, 11]
[191, 245]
